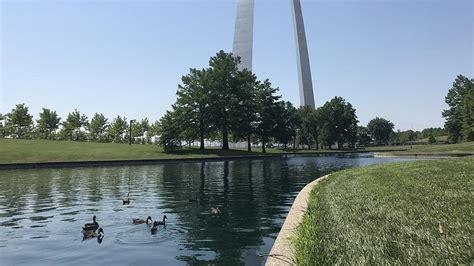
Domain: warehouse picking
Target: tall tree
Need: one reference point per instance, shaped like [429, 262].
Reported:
[338, 122]
[380, 129]
[117, 130]
[363, 136]
[20, 122]
[246, 107]
[47, 124]
[456, 100]
[194, 103]
[3, 131]
[223, 92]
[467, 112]
[305, 127]
[287, 123]
[170, 132]
[266, 112]
[74, 126]
[98, 128]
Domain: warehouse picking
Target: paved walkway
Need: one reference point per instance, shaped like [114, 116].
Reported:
[282, 252]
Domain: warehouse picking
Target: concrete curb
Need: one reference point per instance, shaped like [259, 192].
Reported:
[282, 252]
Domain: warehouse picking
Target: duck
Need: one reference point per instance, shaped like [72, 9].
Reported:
[163, 222]
[91, 226]
[215, 210]
[141, 221]
[93, 233]
[126, 200]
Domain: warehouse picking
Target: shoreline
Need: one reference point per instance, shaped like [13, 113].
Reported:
[382, 154]
[122, 162]
[282, 252]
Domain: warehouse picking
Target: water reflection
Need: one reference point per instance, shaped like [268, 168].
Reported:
[42, 211]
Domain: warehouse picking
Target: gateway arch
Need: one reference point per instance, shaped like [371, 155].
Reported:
[243, 43]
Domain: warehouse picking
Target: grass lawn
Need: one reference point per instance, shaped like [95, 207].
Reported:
[419, 212]
[440, 148]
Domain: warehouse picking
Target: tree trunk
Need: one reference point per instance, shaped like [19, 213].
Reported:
[263, 146]
[225, 138]
[284, 147]
[249, 143]
[317, 144]
[201, 135]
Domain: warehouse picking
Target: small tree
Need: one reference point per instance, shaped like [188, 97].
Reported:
[431, 139]
[74, 126]
[117, 130]
[47, 124]
[170, 132]
[20, 122]
[380, 129]
[98, 128]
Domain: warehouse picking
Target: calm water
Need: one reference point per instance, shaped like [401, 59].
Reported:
[42, 211]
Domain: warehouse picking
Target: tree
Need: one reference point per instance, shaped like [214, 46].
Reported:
[287, 123]
[459, 106]
[117, 130]
[266, 112]
[380, 130]
[363, 136]
[467, 112]
[47, 124]
[154, 131]
[408, 136]
[3, 131]
[338, 123]
[98, 128]
[436, 132]
[74, 126]
[246, 107]
[431, 139]
[170, 132]
[20, 122]
[194, 103]
[305, 118]
[223, 92]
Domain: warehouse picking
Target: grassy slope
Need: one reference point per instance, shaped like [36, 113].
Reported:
[405, 213]
[449, 148]
[13, 151]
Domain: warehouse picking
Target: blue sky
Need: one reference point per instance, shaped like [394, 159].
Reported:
[394, 59]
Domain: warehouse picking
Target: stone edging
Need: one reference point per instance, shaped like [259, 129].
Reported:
[282, 252]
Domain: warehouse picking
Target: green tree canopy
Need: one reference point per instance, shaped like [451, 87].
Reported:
[98, 128]
[118, 129]
[20, 122]
[459, 120]
[47, 124]
[380, 129]
[74, 126]
[338, 122]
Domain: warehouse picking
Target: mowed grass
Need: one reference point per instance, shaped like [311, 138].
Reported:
[32, 151]
[419, 212]
[447, 148]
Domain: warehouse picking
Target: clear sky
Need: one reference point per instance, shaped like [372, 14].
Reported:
[394, 59]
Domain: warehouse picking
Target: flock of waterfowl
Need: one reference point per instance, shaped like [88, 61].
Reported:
[91, 230]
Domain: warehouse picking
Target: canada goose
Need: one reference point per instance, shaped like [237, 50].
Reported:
[95, 233]
[215, 210]
[162, 222]
[91, 226]
[127, 199]
[154, 226]
[141, 221]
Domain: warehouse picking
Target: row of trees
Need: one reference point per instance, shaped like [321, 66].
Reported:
[460, 113]
[19, 124]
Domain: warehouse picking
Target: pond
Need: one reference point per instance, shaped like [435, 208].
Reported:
[42, 211]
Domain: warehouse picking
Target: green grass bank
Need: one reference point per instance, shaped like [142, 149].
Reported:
[37, 151]
[418, 212]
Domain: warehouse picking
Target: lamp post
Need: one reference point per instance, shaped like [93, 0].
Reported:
[130, 132]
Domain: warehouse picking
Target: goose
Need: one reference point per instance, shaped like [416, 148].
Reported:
[215, 210]
[154, 227]
[127, 199]
[94, 233]
[91, 226]
[141, 221]
[162, 222]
